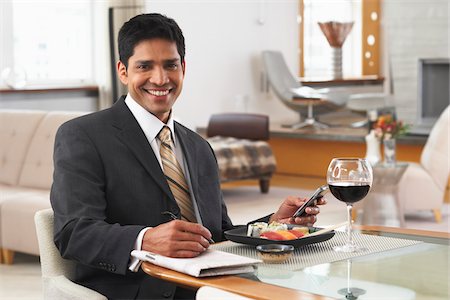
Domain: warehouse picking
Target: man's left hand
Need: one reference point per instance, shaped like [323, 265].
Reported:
[290, 206]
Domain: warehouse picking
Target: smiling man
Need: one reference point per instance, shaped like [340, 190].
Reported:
[154, 76]
[130, 177]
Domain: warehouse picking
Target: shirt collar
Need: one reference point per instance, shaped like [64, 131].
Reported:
[149, 123]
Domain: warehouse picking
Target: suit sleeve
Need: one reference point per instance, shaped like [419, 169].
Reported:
[78, 198]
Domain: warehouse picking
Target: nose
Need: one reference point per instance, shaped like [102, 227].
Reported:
[159, 76]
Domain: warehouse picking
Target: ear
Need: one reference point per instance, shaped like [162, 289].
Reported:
[122, 72]
[183, 67]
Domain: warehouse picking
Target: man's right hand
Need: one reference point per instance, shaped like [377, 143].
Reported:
[177, 239]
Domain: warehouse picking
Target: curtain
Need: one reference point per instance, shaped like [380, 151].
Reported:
[114, 12]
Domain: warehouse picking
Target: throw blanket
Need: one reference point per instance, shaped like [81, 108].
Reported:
[241, 159]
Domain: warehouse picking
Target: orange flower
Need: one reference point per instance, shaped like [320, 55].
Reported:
[386, 127]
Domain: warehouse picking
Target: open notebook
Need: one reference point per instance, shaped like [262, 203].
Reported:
[209, 263]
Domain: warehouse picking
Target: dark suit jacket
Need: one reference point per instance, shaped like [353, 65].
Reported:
[108, 185]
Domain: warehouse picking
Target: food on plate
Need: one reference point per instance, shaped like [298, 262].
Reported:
[256, 229]
[304, 230]
[282, 235]
[276, 231]
[274, 226]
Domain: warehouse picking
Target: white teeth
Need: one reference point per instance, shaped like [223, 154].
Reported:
[158, 92]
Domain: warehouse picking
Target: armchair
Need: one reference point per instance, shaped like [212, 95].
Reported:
[423, 185]
[56, 271]
[307, 101]
[239, 143]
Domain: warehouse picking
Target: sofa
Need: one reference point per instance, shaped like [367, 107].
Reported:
[26, 164]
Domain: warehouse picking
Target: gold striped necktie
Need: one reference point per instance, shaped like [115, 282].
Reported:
[174, 175]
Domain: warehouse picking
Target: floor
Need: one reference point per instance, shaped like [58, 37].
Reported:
[21, 281]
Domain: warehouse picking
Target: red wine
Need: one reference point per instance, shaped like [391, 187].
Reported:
[349, 193]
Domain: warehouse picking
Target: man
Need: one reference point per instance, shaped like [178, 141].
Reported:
[121, 173]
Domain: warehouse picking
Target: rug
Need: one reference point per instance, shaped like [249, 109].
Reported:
[246, 203]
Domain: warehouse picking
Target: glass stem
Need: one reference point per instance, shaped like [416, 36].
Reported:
[349, 226]
[349, 275]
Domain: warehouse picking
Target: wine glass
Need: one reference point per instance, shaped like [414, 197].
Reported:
[350, 293]
[349, 180]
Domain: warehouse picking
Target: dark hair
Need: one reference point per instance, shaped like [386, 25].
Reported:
[145, 27]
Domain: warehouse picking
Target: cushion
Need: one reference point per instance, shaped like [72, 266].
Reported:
[436, 152]
[241, 158]
[418, 191]
[37, 170]
[16, 131]
[17, 227]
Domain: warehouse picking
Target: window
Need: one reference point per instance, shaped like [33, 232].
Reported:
[50, 40]
[317, 51]
[361, 50]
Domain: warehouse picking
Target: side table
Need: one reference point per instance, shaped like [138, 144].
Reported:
[382, 206]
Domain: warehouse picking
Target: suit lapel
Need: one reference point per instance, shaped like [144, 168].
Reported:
[190, 155]
[131, 134]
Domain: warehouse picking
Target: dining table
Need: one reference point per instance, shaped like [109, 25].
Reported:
[408, 264]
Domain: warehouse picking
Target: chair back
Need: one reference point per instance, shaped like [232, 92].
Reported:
[278, 75]
[435, 156]
[239, 125]
[287, 88]
[52, 264]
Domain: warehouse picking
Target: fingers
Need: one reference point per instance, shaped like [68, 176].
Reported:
[191, 238]
[192, 229]
[306, 220]
[177, 239]
[313, 210]
[322, 201]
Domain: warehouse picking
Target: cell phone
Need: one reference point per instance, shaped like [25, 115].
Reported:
[318, 194]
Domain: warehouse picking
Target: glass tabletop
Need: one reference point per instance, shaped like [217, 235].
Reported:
[420, 271]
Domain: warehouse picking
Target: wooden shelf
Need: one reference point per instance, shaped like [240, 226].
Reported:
[323, 81]
[90, 89]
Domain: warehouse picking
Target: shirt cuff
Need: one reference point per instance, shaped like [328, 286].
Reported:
[135, 263]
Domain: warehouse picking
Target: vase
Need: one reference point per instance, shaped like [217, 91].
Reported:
[373, 154]
[336, 33]
[389, 152]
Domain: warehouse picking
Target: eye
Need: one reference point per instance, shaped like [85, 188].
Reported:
[143, 66]
[172, 66]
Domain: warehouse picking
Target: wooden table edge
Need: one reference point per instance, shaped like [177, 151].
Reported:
[238, 285]
[417, 232]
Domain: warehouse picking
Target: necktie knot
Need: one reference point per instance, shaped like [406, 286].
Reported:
[164, 135]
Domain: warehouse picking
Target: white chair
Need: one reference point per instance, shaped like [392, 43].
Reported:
[308, 101]
[299, 98]
[211, 293]
[56, 271]
[423, 185]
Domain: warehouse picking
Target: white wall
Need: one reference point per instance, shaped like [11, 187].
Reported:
[414, 29]
[224, 41]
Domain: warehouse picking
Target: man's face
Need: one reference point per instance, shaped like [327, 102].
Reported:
[154, 76]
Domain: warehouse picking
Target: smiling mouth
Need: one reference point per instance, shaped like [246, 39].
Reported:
[158, 93]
